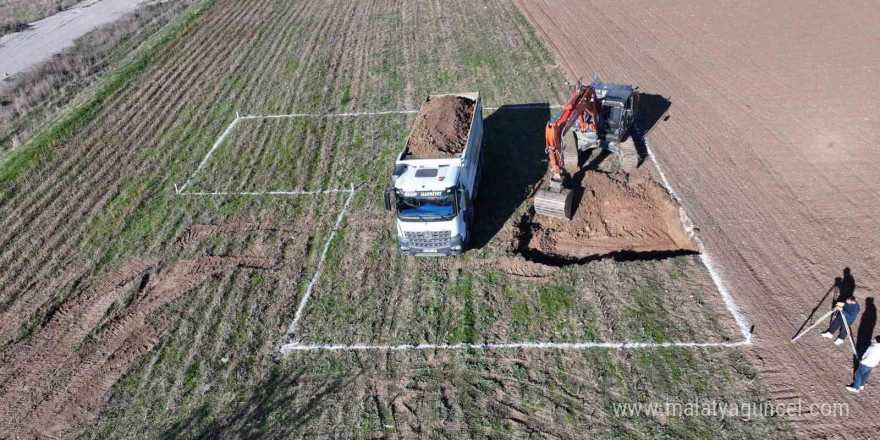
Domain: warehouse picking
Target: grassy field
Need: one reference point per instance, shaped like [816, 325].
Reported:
[179, 303]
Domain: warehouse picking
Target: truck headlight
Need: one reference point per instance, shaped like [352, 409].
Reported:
[455, 243]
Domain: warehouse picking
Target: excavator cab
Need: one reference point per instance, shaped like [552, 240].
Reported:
[619, 104]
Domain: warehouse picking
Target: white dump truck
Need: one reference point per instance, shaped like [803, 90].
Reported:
[436, 177]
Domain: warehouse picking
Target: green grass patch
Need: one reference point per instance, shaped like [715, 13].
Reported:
[555, 299]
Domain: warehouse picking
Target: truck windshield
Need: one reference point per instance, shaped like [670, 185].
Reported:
[425, 207]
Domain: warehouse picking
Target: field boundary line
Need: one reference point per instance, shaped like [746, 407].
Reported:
[286, 348]
[263, 193]
[291, 329]
[210, 152]
[738, 315]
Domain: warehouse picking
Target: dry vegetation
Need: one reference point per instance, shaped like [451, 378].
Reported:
[34, 98]
[195, 293]
[16, 14]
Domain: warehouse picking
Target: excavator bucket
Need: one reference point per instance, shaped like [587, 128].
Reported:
[554, 202]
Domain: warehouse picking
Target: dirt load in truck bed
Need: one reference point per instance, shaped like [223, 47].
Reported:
[614, 213]
[441, 128]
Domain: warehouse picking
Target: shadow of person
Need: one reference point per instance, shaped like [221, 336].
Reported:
[513, 161]
[651, 109]
[865, 333]
[847, 286]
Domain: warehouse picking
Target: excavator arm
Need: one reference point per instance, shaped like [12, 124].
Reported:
[583, 107]
[554, 199]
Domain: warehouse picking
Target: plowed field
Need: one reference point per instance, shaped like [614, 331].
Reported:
[771, 140]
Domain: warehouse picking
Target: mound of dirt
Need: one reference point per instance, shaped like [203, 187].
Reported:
[613, 213]
[441, 128]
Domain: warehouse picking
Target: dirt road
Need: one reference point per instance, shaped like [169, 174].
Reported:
[22, 50]
[771, 141]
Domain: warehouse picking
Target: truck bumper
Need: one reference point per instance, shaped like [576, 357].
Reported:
[454, 248]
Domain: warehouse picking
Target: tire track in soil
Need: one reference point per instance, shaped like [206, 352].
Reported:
[71, 323]
[33, 299]
[197, 233]
[32, 407]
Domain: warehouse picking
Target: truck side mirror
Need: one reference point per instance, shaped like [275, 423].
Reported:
[388, 200]
[455, 195]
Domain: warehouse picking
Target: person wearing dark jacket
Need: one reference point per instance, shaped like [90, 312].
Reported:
[848, 309]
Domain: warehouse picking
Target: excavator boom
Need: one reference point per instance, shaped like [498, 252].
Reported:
[583, 107]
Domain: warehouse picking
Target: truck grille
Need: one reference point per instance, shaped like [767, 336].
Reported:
[428, 239]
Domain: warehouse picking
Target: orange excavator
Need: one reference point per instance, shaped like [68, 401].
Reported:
[601, 115]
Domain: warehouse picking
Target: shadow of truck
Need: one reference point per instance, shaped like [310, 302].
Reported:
[514, 160]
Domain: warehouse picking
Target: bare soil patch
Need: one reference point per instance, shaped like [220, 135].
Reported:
[616, 213]
[441, 128]
[746, 168]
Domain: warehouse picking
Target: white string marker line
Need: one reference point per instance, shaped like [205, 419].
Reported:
[264, 193]
[513, 345]
[291, 330]
[210, 152]
[737, 313]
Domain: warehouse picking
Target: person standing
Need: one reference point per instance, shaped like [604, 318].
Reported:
[848, 310]
[870, 360]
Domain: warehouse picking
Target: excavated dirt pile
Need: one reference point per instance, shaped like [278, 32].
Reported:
[441, 128]
[615, 213]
